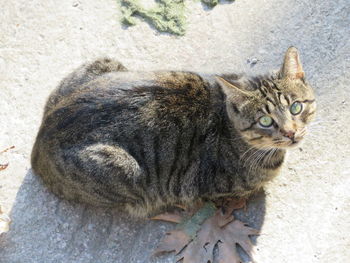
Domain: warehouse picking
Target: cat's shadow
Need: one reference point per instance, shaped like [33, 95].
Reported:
[47, 229]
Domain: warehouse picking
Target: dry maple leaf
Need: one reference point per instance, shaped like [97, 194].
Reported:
[169, 217]
[174, 241]
[214, 229]
[188, 225]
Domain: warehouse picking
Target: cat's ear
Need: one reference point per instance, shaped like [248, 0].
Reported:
[233, 92]
[292, 67]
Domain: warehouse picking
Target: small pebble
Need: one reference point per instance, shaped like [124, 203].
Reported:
[252, 61]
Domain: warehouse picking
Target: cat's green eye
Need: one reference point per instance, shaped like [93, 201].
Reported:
[265, 121]
[296, 108]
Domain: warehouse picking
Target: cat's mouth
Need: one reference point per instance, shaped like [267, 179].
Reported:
[278, 142]
[280, 145]
[291, 141]
[289, 144]
[294, 143]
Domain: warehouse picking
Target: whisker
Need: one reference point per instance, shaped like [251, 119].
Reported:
[256, 163]
[250, 148]
[259, 156]
[318, 122]
[251, 157]
[270, 155]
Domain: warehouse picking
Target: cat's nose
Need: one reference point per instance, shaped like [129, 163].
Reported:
[289, 134]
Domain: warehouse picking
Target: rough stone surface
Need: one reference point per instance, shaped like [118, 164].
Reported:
[304, 215]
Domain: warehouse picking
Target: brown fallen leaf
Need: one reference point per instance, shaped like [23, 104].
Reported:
[174, 217]
[213, 229]
[188, 225]
[174, 241]
[9, 148]
[235, 233]
[228, 206]
[4, 166]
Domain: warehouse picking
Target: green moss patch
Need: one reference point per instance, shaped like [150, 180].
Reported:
[167, 16]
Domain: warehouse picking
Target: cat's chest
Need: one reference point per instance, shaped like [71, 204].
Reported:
[232, 174]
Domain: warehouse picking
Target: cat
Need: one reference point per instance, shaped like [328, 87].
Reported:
[142, 141]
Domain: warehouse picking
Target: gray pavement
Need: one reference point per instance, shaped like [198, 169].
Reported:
[304, 214]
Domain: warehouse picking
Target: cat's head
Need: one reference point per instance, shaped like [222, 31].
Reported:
[272, 111]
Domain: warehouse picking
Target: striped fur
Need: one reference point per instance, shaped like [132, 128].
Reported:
[146, 140]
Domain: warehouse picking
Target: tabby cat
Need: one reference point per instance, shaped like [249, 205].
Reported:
[145, 140]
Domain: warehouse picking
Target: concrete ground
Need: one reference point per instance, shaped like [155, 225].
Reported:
[304, 215]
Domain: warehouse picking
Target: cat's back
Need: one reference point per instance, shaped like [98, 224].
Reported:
[158, 119]
[121, 102]
[74, 87]
[187, 86]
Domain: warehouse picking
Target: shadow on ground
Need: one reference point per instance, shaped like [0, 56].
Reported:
[78, 233]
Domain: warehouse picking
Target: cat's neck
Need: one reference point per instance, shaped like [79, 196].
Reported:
[248, 156]
[230, 147]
